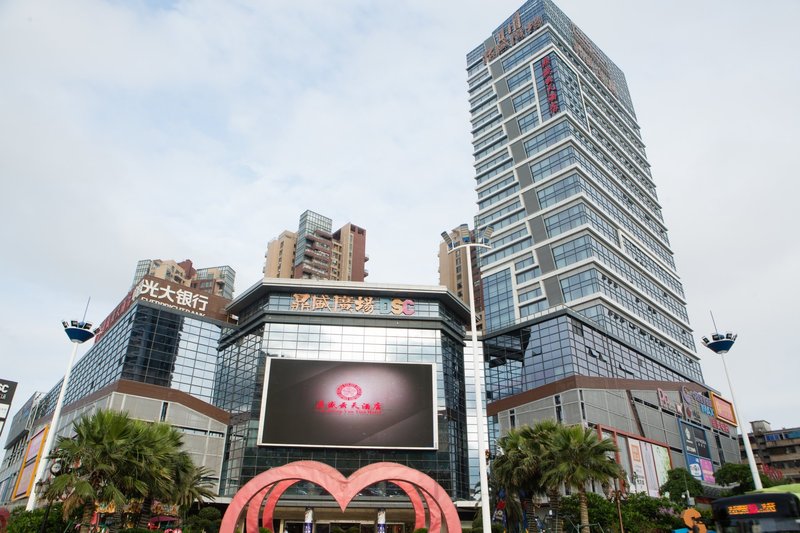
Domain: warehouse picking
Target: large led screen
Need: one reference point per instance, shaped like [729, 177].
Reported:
[348, 404]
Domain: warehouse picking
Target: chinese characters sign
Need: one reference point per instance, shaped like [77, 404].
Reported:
[550, 85]
[365, 305]
[510, 35]
[348, 404]
[165, 293]
[168, 294]
[753, 508]
[175, 296]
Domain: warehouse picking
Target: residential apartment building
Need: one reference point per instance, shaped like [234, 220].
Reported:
[315, 251]
[777, 451]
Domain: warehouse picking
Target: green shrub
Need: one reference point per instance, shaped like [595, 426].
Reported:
[22, 521]
[135, 530]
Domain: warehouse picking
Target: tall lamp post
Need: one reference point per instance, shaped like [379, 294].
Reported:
[78, 333]
[721, 343]
[462, 238]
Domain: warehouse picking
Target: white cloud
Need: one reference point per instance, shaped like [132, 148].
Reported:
[202, 129]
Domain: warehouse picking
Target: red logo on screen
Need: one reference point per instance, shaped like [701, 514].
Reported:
[348, 391]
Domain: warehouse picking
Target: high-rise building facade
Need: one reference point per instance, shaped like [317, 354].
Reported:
[280, 256]
[453, 275]
[315, 251]
[154, 357]
[324, 328]
[585, 315]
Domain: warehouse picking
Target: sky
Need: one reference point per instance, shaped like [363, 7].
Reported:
[201, 130]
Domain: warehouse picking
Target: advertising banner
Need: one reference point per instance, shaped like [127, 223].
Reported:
[693, 464]
[695, 441]
[348, 404]
[707, 467]
[638, 476]
[723, 409]
[650, 469]
[663, 463]
[29, 464]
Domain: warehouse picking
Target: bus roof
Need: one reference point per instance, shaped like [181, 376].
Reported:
[793, 488]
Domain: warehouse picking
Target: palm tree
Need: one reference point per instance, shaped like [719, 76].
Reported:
[578, 456]
[113, 458]
[98, 465]
[169, 470]
[191, 483]
[525, 457]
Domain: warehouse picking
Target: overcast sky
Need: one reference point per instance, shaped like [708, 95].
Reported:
[201, 130]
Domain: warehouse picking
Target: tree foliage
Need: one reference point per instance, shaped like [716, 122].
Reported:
[577, 457]
[679, 480]
[542, 458]
[643, 514]
[22, 521]
[603, 512]
[113, 458]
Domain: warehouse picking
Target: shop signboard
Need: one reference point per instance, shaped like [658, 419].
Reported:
[697, 451]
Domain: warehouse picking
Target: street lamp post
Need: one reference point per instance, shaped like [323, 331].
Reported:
[78, 333]
[721, 343]
[462, 238]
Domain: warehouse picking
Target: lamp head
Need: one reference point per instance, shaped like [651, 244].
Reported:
[720, 343]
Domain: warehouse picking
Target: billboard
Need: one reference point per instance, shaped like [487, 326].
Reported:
[723, 409]
[698, 452]
[348, 404]
[7, 389]
[30, 461]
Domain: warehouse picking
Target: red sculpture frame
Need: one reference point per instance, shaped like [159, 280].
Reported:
[267, 488]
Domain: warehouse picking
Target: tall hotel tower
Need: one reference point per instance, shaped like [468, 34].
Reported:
[585, 315]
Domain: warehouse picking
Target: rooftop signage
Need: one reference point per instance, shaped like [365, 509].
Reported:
[363, 305]
[180, 297]
[510, 35]
[167, 294]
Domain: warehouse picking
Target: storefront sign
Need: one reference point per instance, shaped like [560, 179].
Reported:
[694, 441]
[510, 35]
[365, 305]
[723, 409]
[684, 410]
[697, 400]
[720, 426]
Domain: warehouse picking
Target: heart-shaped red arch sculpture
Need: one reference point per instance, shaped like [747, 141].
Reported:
[342, 489]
